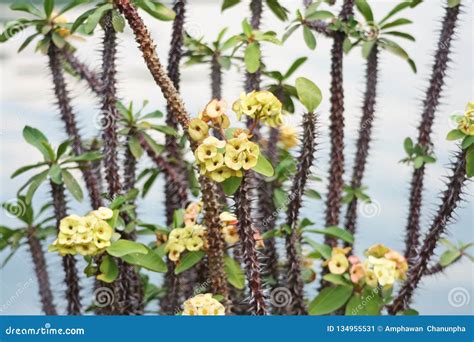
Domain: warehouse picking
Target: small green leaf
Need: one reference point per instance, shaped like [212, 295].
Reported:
[36, 138]
[336, 279]
[277, 9]
[235, 275]
[470, 162]
[308, 93]
[135, 148]
[165, 129]
[453, 3]
[109, 270]
[26, 168]
[320, 15]
[401, 35]
[62, 148]
[246, 28]
[252, 57]
[449, 257]
[55, 174]
[228, 4]
[418, 162]
[467, 141]
[336, 232]
[322, 249]
[263, 166]
[231, 184]
[72, 185]
[151, 261]
[309, 38]
[122, 247]
[188, 261]
[329, 300]
[25, 6]
[312, 194]
[48, 7]
[455, 134]
[367, 48]
[365, 10]
[397, 22]
[289, 32]
[408, 146]
[117, 21]
[94, 18]
[34, 184]
[87, 156]
[296, 64]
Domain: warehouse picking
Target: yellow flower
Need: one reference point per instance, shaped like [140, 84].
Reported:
[377, 250]
[102, 230]
[203, 305]
[174, 255]
[198, 129]
[66, 239]
[231, 235]
[233, 160]
[89, 223]
[248, 161]
[466, 125]
[371, 278]
[213, 141]
[215, 108]
[177, 234]
[66, 249]
[175, 246]
[288, 137]
[194, 244]
[384, 269]
[237, 145]
[214, 163]
[226, 216]
[199, 231]
[103, 213]
[221, 174]
[70, 224]
[260, 105]
[101, 244]
[252, 148]
[86, 249]
[204, 152]
[338, 264]
[84, 237]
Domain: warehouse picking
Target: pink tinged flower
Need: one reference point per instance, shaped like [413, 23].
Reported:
[357, 272]
[353, 259]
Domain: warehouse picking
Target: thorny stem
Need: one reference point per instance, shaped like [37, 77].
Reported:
[69, 119]
[449, 202]
[249, 252]
[71, 278]
[147, 47]
[336, 128]
[430, 104]
[363, 141]
[216, 78]
[41, 271]
[83, 71]
[305, 161]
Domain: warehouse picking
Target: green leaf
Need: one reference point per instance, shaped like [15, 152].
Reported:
[72, 4]
[158, 149]
[320, 15]
[395, 10]
[151, 261]
[231, 184]
[308, 93]
[336, 232]
[26, 42]
[296, 64]
[408, 146]
[94, 18]
[252, 57]
[36, 138]
[135, 147]
[329, 300]
[398, 22]
[25, 6]
[122, 247]
[455, 134]
[369, 303]
[453, 3]
[72, 185]
[81, 19]
[48, 7]
[263, 166]
[277, 9]
[230, 43]
[312, 194]
[117, 21]
[62, 148]
[309, 38]
[408, 312]
[401, 35]
[165, 129]
[322, 249]
[159, 11]
[246, 28]
[289, 32]
[26, 168]
[228, 4]
[418, 162]
[188, 261]
[34, 184]
[365, 10]
[235, 275]
[367, 48]
[467, 141]
[153, 115]
[470, 162]
[87, 156]
[109, 270]
[336, 279]
[55, 174]
[449, 257]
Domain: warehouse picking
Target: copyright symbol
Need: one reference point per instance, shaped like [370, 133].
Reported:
[379, 328]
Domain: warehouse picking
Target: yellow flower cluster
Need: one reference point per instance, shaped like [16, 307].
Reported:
[189, 238]
[88, 235]
[382, 267]
[466, 123]
[288, 137]
[260, 105]
[229, 228]
[203, 305]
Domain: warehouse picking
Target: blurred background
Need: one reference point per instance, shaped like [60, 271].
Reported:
[26, 98]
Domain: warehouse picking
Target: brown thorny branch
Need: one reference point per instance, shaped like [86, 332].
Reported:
[449, 202]
[211, 207]
[71, 278]
[365, 132]
[305, 160]
[127, 287]
[41, 271]
[82, 70]
[216, 77]
[430, 104]
[178, 286]
[336, 128]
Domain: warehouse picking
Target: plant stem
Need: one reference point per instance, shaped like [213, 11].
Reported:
[365, 132]
[336, 128]
[41, 271]
[449, 202]
[83, 71]
[69, 119]
[430, 104]
[248, 247]
[216, 78]
[69, 262]
[305, 161]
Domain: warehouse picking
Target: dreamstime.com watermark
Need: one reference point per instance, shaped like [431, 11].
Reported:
[20, 290]
[46, 330]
